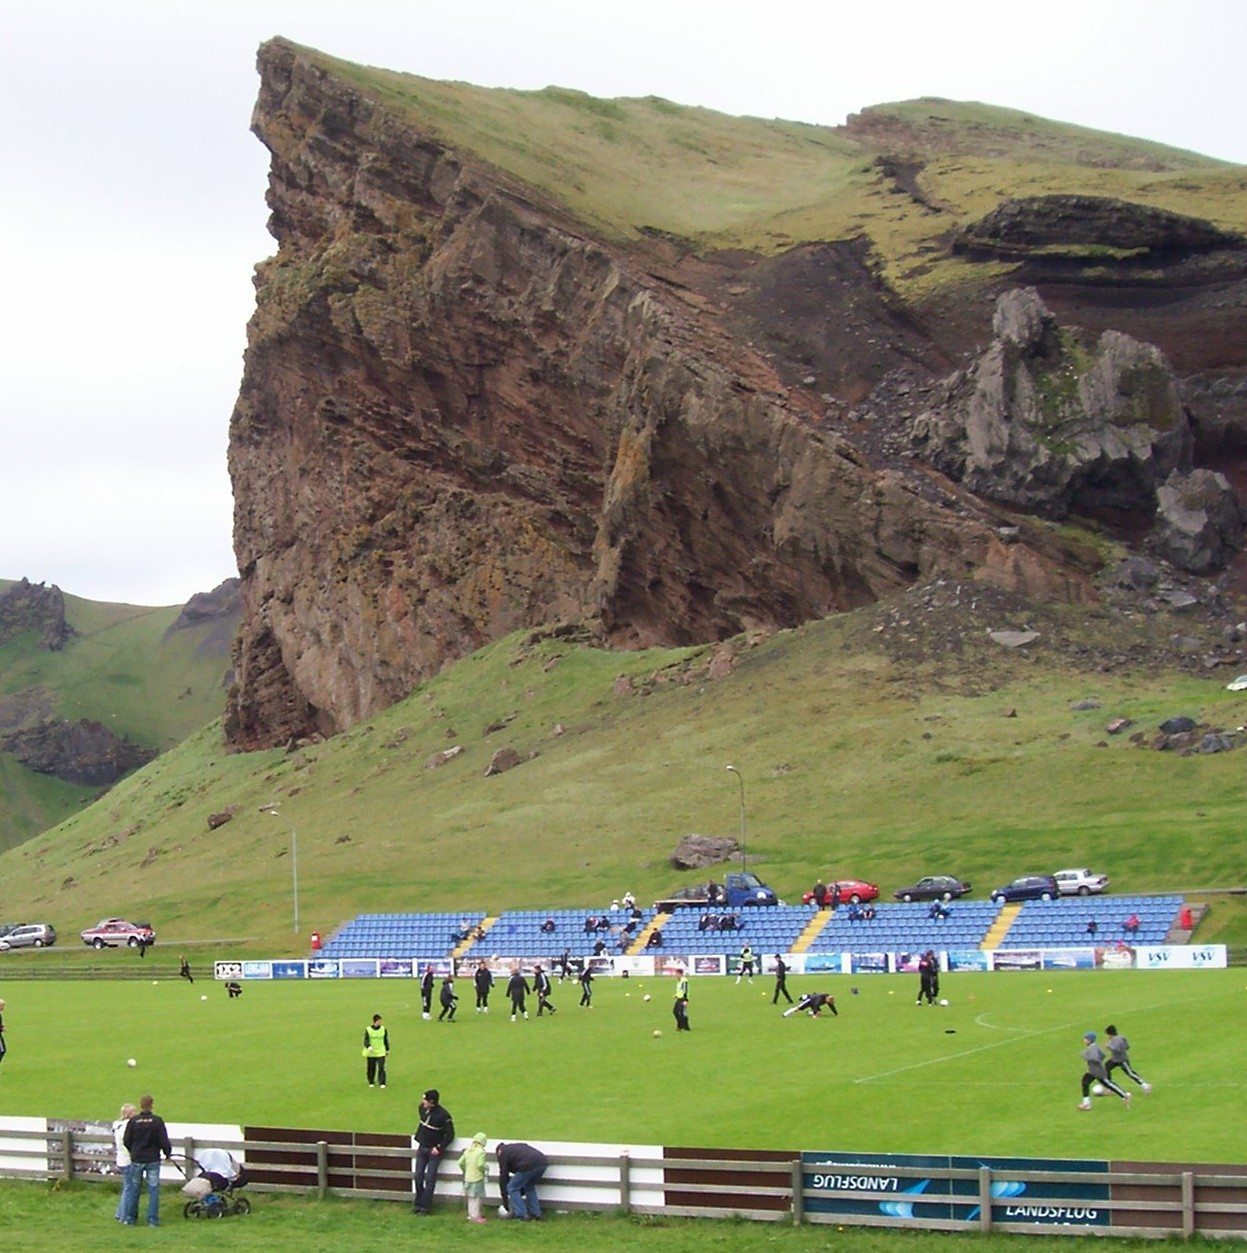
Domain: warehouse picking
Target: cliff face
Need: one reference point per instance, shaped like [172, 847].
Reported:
[461, 414]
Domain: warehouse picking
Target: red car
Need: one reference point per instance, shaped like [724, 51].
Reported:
[851, 891]
[112, 932]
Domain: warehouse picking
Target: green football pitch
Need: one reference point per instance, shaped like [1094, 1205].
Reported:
[995, 1072]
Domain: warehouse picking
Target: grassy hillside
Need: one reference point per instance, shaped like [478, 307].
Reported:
[120, 670]
[854, 764]
[727, 182]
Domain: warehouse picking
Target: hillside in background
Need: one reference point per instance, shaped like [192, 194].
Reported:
[886, 743]
[89, 689]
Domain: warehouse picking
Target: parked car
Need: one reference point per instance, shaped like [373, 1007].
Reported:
[29, 935]
[934, 887]
[6, 927]
[1030, 887]
[852, 891]
[112, 932]
[1080, 882]
[738, 890]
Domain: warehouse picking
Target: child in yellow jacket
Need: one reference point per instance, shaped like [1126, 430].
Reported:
[472, 1163]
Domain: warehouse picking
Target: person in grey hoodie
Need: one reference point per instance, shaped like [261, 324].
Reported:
[1119, 1057]
[1094, 1056]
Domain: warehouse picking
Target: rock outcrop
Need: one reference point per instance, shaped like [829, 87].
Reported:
[1199, 524]
[1043, 423]
[34, 607]
[219, 610]
[462, 414]
[83, 752]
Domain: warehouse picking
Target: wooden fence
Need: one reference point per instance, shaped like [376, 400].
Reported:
[1117, 1199]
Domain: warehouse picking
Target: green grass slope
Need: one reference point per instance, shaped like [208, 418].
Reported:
[119, 670]
[738, 182]
[854, 764]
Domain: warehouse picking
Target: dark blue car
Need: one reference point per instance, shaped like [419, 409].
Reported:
[1030, 887]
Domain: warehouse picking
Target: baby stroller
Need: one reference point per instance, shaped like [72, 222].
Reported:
[213, 1181]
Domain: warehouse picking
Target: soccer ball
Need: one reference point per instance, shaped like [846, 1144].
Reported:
[131, 1062]
[1098, 1089]
[943, 1000]
[203, 998]
[657, 1034]
[646, 997]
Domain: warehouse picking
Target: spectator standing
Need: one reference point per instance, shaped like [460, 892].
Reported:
[122, 1156]
[819, 895]
[433, 1137]
[376, 1050]
[520, 1166]
[146, 1139]
[472, 1163]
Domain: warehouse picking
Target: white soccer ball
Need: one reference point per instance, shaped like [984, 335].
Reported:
[646, 997]
[131, 1062]
[943, 1000]
[1098, 1089]
[657, 1034]
[203, 998]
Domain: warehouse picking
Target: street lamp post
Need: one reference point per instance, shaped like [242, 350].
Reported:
[294, 861]
[744, 855]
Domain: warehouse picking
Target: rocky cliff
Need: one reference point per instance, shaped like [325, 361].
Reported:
[462, 414]
[465, 410]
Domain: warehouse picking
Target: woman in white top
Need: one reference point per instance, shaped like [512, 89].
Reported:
[123, 1154]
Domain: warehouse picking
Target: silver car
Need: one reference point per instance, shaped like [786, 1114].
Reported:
[30, 935]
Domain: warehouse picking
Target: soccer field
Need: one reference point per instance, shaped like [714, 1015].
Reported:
[995, 1072]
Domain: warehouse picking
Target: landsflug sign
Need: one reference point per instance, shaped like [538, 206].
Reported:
[921, 1191]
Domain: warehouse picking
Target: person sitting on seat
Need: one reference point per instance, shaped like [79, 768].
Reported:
[1131, 925]
[599, 948]
[655, 940]
[548, 926]
[708, 922]
[855, 913]
[938, 911]
[713, 893]
[591, 924]
[1092, 926]
[729, 922]
[629, 901]
[868, 913]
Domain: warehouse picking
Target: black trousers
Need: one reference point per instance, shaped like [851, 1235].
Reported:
[781, 989]
[680, 1009]
[376, 1070]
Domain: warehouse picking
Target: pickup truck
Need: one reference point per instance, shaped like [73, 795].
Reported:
[737, 891]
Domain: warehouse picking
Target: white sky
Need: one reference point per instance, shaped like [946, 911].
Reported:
[133, 205]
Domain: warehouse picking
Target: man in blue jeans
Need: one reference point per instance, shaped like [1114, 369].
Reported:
[147, 1139]
[520, 1166]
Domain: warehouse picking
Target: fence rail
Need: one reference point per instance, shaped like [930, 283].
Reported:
[1118, 1199]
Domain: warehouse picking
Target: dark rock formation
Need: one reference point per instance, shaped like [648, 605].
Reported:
[695, 852]
[1045, 424]
[219, 610]
[461, 415]
[1199, 525]
[82, 752]
[30, 606]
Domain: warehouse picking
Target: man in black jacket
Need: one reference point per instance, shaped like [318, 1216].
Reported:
[517, 990]
[426, 993]
[433, 1137]
[483, 980]
[146, 1138]
[519, 1168]
[542, 987]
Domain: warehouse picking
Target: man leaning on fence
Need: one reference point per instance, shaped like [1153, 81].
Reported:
[433, 1137]
[146, 1139]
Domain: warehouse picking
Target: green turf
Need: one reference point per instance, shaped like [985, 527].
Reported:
[77, 1218]
[996, 1072]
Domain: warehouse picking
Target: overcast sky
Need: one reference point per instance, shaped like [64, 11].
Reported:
[133, 207]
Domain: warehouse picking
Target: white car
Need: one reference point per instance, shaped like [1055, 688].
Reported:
[1080, 882]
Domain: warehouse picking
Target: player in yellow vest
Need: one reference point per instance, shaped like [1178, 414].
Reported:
[376, 1047]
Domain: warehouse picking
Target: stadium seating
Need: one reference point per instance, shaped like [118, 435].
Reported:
[400, 935]
[907, 929]
[1063, 923]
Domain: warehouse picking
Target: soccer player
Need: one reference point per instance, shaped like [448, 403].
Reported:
[680, 1006]
[483, 980]
[586, 986]
[781, 981]
[542, 987]
[517, 990]
[1119, 1057]
[448, 1000]
[1093, 1055]
[426, 993]
[746, 964]
[813, 1003]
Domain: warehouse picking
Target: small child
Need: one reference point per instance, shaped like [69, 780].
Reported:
[472, 1163]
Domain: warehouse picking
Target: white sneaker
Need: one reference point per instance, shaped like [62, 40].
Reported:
[1147, 1087]
[1085, 1103]
[512, 1017]
[426, 1017]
